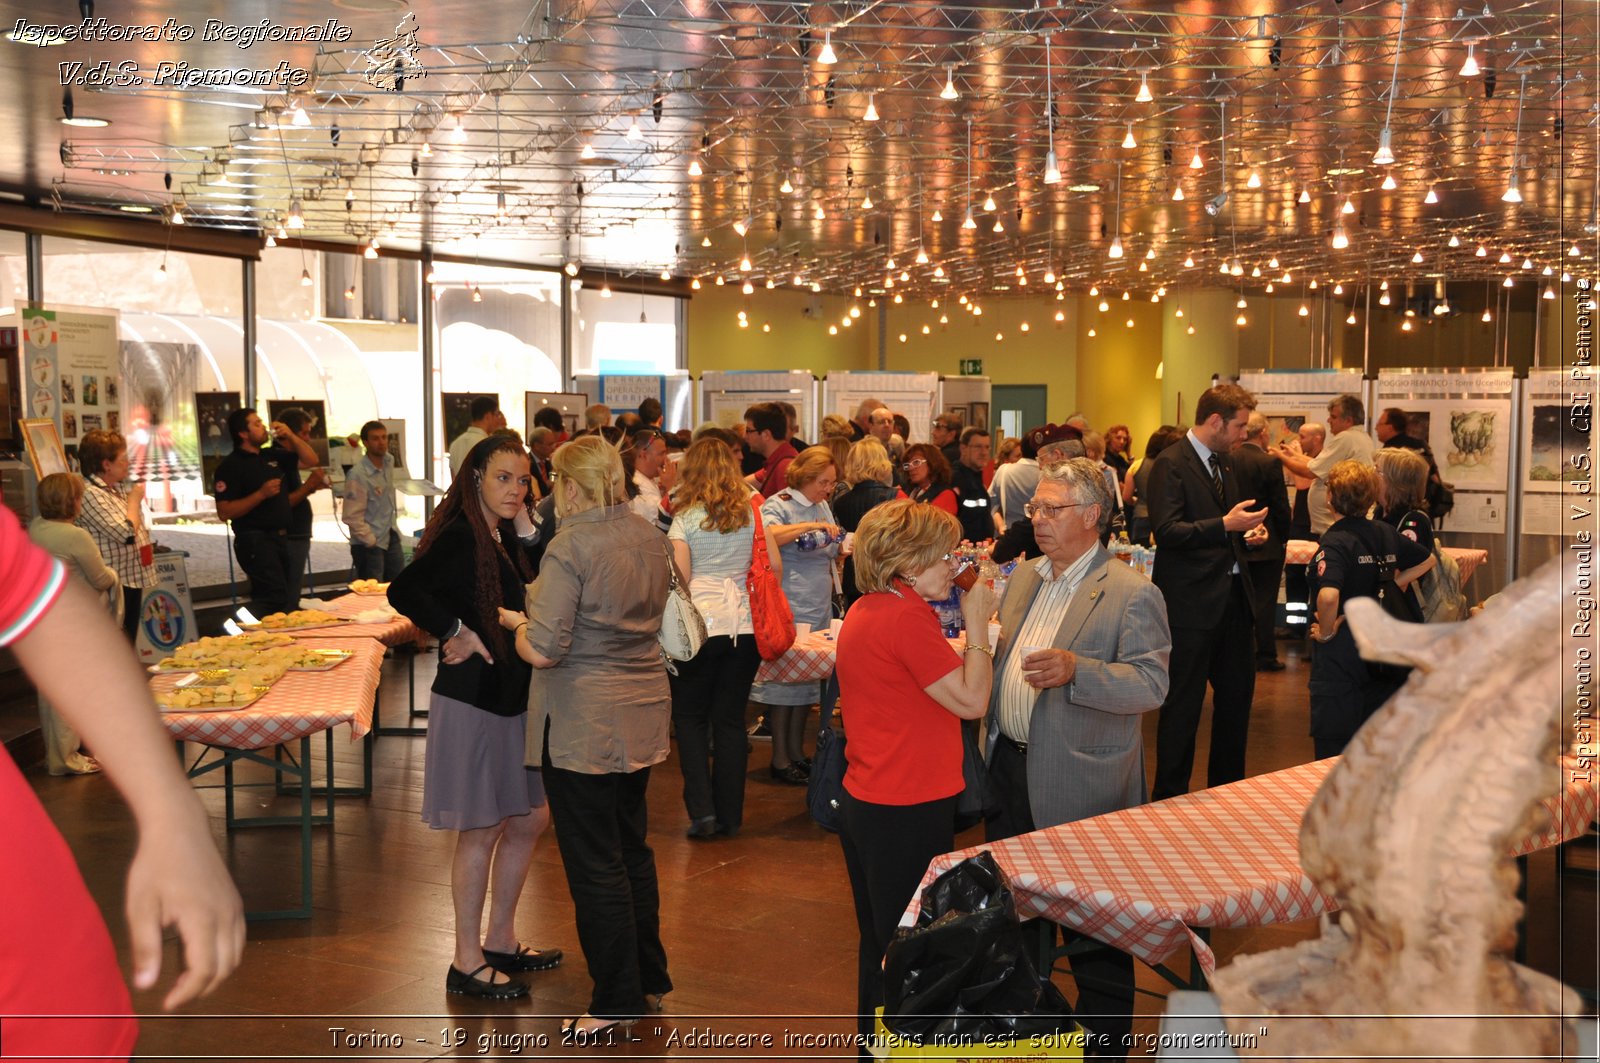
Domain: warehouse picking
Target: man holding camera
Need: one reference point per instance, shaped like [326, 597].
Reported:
[251, 493]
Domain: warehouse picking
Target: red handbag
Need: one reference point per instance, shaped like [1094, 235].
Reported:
[769, 609]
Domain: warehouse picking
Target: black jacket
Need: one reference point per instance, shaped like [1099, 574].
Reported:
[1261, 478]
[1194, 553]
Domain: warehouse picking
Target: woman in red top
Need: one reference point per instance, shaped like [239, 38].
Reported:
[927, 474]
[903, 695]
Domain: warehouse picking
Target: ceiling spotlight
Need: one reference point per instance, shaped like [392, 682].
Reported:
[634, 132]
[1215, 204]
[1511, 194]
[588, 151]
[1305, 196]
[1432, 196]
[1341, 239]
[1384, 156]
[1389, 184]
[1188, 261]
[1416, 258]
[969, 223]
[742, 226]
[1143, 95]
[458, 135]
[1348, 208]
[1195, 162]
[695, 169]
[1508, 282]
[1052, 172]
[1351, 318]
[1115, 250]
[949, 91]
[1253, 181]
[786, 187]
[1177, 193]
[1481, 252]
[1469, 69]
[1454, 241]
[988, 201]
[871, 113]
[298, 116]
[1505, 258]
[1487, 317]
[827, 57]
[938, 216]
[1128, 141]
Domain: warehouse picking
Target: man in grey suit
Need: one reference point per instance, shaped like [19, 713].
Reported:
[1083, 652]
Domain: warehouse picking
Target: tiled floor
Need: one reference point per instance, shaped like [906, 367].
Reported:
[760, 927]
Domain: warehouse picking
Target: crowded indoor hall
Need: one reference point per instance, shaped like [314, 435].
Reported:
[866, 530]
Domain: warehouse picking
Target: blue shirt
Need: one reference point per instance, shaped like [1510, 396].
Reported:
[369, 502]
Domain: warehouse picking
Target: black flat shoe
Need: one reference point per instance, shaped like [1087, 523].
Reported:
[471, 985]
[524, 959]
[790, 774]
[703, 828]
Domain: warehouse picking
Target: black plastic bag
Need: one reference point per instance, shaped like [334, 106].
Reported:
[965, 971]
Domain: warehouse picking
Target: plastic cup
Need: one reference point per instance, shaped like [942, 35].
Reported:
[834, 627]
[967, 577]
[801, 630]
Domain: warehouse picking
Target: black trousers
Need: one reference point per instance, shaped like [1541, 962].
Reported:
[709, 695]
[264, 556]
[132, 600]
[1224, 656]
[886, 850]
[1264, 577]
[1105, 975]
[600, 823]
[299, 556]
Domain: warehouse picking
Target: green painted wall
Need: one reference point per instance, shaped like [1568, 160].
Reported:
[714, 339]
[1117, 366]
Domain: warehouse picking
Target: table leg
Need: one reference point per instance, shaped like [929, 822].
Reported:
[412, 712]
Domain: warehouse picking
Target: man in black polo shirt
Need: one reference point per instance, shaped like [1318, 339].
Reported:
[300, 518]
[251, 492]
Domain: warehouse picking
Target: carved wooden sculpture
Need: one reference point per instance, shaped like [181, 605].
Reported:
[1410, 834]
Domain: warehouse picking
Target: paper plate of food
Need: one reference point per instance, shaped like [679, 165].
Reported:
[369, 587]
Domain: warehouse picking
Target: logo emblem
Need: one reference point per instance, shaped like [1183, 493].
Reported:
[392, 60]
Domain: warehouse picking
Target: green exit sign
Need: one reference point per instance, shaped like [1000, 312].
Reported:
[972, 367]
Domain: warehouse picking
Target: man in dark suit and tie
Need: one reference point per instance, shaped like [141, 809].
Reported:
[1261, 478]
[1201, 522]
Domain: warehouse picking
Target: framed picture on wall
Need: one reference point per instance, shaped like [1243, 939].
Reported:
[44, 447]
[980, 415]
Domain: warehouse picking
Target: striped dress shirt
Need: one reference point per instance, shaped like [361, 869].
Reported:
[105, 516]
[1038, 630]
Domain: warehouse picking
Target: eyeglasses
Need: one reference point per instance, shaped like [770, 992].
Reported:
[914, 463]
[1045, 509]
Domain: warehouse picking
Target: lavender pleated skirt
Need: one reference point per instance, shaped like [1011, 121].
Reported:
[473, 775]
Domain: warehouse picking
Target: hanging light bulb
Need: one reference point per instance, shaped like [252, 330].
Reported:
[866, 201]
[827, 57]
[1094, 290]
[1405, 326]
[350, 293]
[370, 251]
[819, 214]
[272, 240]
[161, 271]
[1143, 95]
[1269, 288]
[1128, 141]
[634, 132]
[922, 257]
[500, 206]
[588, 151]
[1241, 304]
[969, 223]
[1305, 196]
[1384, 156]
[748, 289]
[695, 169]
[1104, 306]
[1348, 208]
[298, 116]
[305, 278]
[1487, 317]
[1574, 251]
[458, 135]
[694, 283]
[1060, 316]
[1481, 252]
[1505, 258]
[938, 271]
[1091, 334]
[742, 226]
[1469, 69]
[1052, 172]
[1350, 319]
[605, 289]
[177, 214]
[1272, 263]
[1240, 321]
[1254, 180]
[1432, 196]
[786, 187]
[1338, 289]
[1341, 239]
[1255, 271]
[1115, 250]
[1178, 312]
[1188, 261]
[1454, 241]
[1305, 311]
[1527, 263]
[1177, 193]
[1196, 162]
[1126, 296]
[949, 91]
[744, 263]
[1389, 184]
[1384, 299]
[938, 216]
[1416, 258]
[988, 201]
[427, 150]
[871, 113]
[1511, 194]
[1508, 282]
[999, 226]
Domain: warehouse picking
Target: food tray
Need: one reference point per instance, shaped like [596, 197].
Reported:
[338, 621]
[255, 696]
[334, 658]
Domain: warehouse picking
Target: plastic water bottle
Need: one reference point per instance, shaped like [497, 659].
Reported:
[811, 540]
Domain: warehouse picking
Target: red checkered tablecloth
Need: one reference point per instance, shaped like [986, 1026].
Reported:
[809, 660]
[1300, 551]
[1140, 878]
[299, 704]
[396, 632]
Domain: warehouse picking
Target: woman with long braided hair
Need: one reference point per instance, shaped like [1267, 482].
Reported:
[473, 560]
